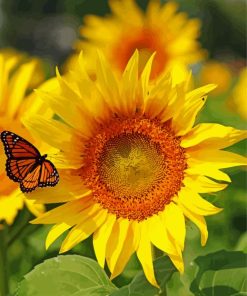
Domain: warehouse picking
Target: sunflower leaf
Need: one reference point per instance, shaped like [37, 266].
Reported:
[220, 273]
[139, 286]
[65, 276]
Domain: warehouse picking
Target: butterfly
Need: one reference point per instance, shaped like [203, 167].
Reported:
[26, 165]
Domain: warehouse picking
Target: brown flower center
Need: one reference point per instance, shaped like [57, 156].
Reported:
[134, 167]
[147, 42]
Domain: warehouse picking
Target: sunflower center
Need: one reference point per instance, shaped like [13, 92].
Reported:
[147, 42]
[134, 167]
[131, 164]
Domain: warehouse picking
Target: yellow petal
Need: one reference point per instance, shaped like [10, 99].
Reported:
[18, 86]
[128, 7]
[70, 209]
[175, 224]
[83, 230]
[55, 232]
[158, 235]
[100, 238]
[34, 208]
[217, 158]
[178, 262]
[129, 84]
[145, 77]
[107, 83]
[68, 188]
[44, 128]
[199, 221]
[204, 168]
[10, 205]
[72, 114]
[116, 242]
[127, 250]
[193, 202]
[212, 135]
[144, 254]
[184, 118]
[202, 184]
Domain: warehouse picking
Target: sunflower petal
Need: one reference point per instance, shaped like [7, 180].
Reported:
[100, 239]
[144, 254]
[158, 235]
[217, 158]
[175, 224]
[116, 242]
[199, 221]
[126, 252]
[56, 231]
[18, 85]
[59, 214]
[213, 136]
[195, 203]
[83, 230]
[184, 118]
[202, 184]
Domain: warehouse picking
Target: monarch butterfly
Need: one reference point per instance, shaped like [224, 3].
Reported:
[26, 165]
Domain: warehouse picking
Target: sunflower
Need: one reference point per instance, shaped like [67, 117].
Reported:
[160, 29]
[134, 165]
[239, 94]
[16, 72]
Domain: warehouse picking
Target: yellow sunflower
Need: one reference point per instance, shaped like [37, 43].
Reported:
[135, 164]
[160, 29]
[16, 72]
[239, 94]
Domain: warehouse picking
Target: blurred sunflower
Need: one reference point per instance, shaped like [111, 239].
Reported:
[17, 73]
[161, 29]
[135, 163]
[239, 94]
[218, 73]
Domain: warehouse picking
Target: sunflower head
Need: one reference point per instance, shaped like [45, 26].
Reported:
[133, 164]
[160, 29]
[16, 101]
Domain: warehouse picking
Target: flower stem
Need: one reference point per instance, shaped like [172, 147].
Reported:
[3, 261]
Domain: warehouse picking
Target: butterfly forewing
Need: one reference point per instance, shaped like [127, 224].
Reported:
[16, 147]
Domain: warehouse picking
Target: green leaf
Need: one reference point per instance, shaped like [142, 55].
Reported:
[65, 276]
[220, 273]
[139, 286]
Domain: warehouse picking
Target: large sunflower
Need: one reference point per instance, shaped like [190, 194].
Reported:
[161, 29]
[17, 73]
[135, 163]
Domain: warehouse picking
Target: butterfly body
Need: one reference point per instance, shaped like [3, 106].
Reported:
[25, 164]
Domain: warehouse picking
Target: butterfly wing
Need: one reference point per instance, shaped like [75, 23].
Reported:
[48, 174]
[17, 169]
[21, 156]
[18, 148]
[31, 180]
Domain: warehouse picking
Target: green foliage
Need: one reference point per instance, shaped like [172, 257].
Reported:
[139, 286]
[220, 273]
[66, 276]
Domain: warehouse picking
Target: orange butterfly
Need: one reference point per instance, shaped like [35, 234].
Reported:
[26, 165]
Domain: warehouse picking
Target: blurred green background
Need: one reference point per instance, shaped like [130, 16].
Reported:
[48, 29]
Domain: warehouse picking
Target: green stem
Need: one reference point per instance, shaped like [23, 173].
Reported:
[18, 229]
[3, 261]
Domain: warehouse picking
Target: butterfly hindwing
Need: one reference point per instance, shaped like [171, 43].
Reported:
[31, 180]
[48, 174]
[16, 147]
[17, 169]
